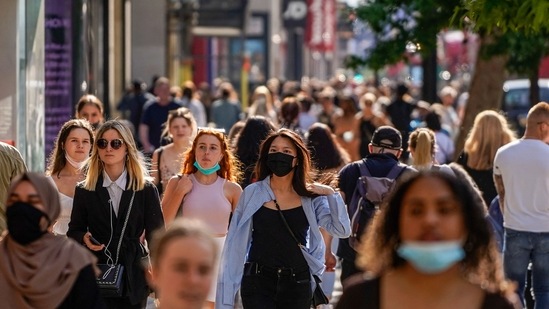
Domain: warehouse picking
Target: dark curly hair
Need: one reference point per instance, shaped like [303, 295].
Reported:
[482, 263]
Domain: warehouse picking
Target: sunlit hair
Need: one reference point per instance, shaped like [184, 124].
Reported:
[537, 114]
[229, 166]
[261, 109]
[57, 160]
[135, 162]
[180, 228]
[482, 263]
[184, 113]
[88, 99]
[303, 171]
[367, 100]
[422, 142]
[490, 131]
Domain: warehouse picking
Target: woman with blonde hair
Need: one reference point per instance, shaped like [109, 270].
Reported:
[207, 188]
[421, 145]
[263, 105]
[72, 148]
[490, 131]
[181, 129]
[117, 193]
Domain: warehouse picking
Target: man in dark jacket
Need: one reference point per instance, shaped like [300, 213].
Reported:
[385, 149]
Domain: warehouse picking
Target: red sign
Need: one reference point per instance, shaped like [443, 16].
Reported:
[321, 25]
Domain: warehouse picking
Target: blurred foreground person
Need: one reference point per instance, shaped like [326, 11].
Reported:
[182, 264]
[429, 247]
[38, 269]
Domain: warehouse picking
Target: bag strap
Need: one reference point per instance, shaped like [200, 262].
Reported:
[300, 245]
[395, 171]
[124, 228]
[158, 169]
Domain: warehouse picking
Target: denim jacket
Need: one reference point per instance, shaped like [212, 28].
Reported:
[328, 212]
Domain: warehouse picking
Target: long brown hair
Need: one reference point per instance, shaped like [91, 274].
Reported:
[57, 160]
[304, 171]
[230, 167]
[482, 263]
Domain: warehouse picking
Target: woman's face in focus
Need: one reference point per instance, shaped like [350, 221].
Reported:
[208, 151]
[78, 144]
[182, 276]
[430, 212]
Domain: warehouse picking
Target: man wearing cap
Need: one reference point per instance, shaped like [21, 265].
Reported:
[385, 149]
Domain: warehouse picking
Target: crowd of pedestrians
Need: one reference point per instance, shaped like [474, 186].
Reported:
[268, 189]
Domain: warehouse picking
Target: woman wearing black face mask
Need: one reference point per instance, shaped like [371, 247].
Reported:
[274, 246]
[38, 269]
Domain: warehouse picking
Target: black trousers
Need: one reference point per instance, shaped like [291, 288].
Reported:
[275, 288]
[348, 268]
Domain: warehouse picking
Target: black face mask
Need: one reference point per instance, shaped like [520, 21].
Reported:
[280, 163]
[95, 125]
[24, 222]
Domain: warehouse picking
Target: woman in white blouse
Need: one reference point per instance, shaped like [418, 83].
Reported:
[71, 150]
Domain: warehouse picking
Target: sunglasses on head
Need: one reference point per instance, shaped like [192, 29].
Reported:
[115, 143]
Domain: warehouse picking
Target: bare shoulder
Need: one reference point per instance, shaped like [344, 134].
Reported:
[232, 186]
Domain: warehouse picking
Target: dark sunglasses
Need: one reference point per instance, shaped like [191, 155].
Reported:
[115, 143]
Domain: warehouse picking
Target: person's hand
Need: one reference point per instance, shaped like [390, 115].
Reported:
[320, 189]
[330, 261]
[90, 245]
[184, 184]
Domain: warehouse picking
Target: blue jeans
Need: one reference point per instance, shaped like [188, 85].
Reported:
[521, 249]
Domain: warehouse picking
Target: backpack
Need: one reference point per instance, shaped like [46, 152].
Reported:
[368, 195]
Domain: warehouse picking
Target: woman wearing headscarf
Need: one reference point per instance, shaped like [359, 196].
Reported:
[38, 269]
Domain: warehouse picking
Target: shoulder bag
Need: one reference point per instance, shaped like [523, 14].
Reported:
[319, 298]
[111, 280]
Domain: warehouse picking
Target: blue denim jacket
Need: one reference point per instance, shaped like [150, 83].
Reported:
[328, 212]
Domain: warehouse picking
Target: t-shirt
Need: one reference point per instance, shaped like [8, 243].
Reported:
[154, 116]
[524, 166]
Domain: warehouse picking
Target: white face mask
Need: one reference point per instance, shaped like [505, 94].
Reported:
[77, 165]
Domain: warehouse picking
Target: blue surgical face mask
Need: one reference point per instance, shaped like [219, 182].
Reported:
[207, 171]
[432, 257]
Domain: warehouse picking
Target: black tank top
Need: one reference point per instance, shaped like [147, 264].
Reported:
[272, 243]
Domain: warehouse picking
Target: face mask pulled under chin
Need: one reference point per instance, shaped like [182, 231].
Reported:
[24, 222]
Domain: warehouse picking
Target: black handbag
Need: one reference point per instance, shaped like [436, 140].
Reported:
[319, 298]
[111, 280]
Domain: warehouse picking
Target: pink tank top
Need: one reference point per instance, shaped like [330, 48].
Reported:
[208, 204]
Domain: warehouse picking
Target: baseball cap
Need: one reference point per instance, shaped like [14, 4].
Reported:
[387, 137]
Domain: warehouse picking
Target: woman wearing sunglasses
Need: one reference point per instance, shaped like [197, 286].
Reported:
[207, 188]
[117, 181]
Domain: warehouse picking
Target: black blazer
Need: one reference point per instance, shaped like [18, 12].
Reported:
[92, 212]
